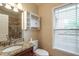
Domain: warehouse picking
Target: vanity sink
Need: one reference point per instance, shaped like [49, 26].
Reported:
[12, 48]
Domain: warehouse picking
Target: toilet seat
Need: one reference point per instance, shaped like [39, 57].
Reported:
[41, 52]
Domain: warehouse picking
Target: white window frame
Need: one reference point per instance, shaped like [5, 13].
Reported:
[53, 21]
[53, 24]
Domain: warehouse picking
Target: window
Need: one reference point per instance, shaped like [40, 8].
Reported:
[67, 28]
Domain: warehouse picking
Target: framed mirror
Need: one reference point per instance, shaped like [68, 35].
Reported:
[10, 23]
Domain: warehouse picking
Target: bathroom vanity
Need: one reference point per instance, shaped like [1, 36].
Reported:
[18, 50]
[25, 52]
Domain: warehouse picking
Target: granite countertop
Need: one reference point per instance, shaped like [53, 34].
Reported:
[25, 45]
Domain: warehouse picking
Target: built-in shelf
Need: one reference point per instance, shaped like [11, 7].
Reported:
[30, 21]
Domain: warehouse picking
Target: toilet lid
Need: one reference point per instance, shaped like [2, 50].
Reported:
[41, 52]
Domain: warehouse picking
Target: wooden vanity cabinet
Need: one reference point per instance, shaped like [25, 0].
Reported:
[26, 52]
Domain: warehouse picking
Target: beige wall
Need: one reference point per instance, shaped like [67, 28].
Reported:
[32, 8]
[45, 34]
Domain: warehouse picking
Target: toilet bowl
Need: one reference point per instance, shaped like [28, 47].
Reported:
[38, 51]
[41, 52]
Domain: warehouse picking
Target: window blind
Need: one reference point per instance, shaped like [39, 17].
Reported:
[67, 28]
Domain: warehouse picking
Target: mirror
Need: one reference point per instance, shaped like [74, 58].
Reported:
[3, 27]
[10, 24]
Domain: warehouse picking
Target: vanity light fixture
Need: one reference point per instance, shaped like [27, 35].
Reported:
[8, 6]
[1, 4]
[12, 6]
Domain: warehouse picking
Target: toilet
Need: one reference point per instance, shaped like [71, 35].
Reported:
[38, 51]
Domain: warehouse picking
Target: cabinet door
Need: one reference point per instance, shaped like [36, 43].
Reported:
[35, 21]
[26, 52]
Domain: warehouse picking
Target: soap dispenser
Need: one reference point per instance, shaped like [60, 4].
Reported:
[31, 41]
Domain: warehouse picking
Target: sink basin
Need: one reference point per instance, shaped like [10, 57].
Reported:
[13, 48]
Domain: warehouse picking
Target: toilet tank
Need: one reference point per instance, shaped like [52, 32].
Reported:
[35, 44]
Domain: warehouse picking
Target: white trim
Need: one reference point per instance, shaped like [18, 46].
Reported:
[53, 22]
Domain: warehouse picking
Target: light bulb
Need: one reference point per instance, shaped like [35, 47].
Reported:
[8, 6]
[19, 6]
[15, 9]
[1, 4]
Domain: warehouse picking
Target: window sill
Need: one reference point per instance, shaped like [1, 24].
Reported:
[66, 51]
